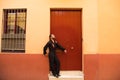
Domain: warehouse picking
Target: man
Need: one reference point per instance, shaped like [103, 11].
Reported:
[52, 44]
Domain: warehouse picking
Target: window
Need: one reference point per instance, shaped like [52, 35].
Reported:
[14, 30]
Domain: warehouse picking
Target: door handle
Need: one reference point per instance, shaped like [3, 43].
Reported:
[72, 48]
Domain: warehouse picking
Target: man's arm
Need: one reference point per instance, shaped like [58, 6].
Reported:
[45, 48]
[60, 47]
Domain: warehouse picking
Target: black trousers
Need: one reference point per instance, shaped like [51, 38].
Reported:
[54, 64]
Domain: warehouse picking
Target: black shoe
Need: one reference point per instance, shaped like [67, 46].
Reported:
[58, 75]
[55, 75]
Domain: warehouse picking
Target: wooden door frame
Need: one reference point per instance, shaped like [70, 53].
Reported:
[70, 9]
[66, 9]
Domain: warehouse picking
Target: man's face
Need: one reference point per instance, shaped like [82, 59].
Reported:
[52, 36]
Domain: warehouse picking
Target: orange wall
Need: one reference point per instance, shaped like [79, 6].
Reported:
[91, 65]
[109, 26]
[102, 66]
[38, 21]
[23, 67]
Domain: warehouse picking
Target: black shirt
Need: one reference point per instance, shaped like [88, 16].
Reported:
[52, 47]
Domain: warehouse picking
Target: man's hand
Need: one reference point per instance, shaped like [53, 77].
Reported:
[65, 51]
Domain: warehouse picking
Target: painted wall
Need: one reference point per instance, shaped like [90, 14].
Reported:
[23, 67]
[109, 26]
[38, 21]
[102, 66]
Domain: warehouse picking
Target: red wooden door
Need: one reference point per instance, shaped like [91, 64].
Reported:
[66, 25]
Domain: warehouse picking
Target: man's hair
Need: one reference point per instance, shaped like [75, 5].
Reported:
[50, 36]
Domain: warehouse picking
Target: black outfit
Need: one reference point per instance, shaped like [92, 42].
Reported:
[53, 59]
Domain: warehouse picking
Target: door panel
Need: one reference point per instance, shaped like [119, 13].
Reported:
[66, 25]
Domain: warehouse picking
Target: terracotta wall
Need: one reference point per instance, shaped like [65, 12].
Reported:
[23, 67]
[91, 66]
[35, 67]
[102, 66]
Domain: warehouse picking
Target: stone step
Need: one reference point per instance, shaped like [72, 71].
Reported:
[68, 75]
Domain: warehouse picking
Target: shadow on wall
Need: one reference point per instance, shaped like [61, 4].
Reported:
[23, 67]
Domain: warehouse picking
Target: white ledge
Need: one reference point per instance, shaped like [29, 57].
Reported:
[68, 74]
[64, 76]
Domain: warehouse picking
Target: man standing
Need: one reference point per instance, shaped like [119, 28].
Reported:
[52, 44]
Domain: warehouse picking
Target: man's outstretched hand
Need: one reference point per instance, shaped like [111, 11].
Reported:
[65, 51]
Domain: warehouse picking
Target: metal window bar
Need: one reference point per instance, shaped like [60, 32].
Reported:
[14, 30]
